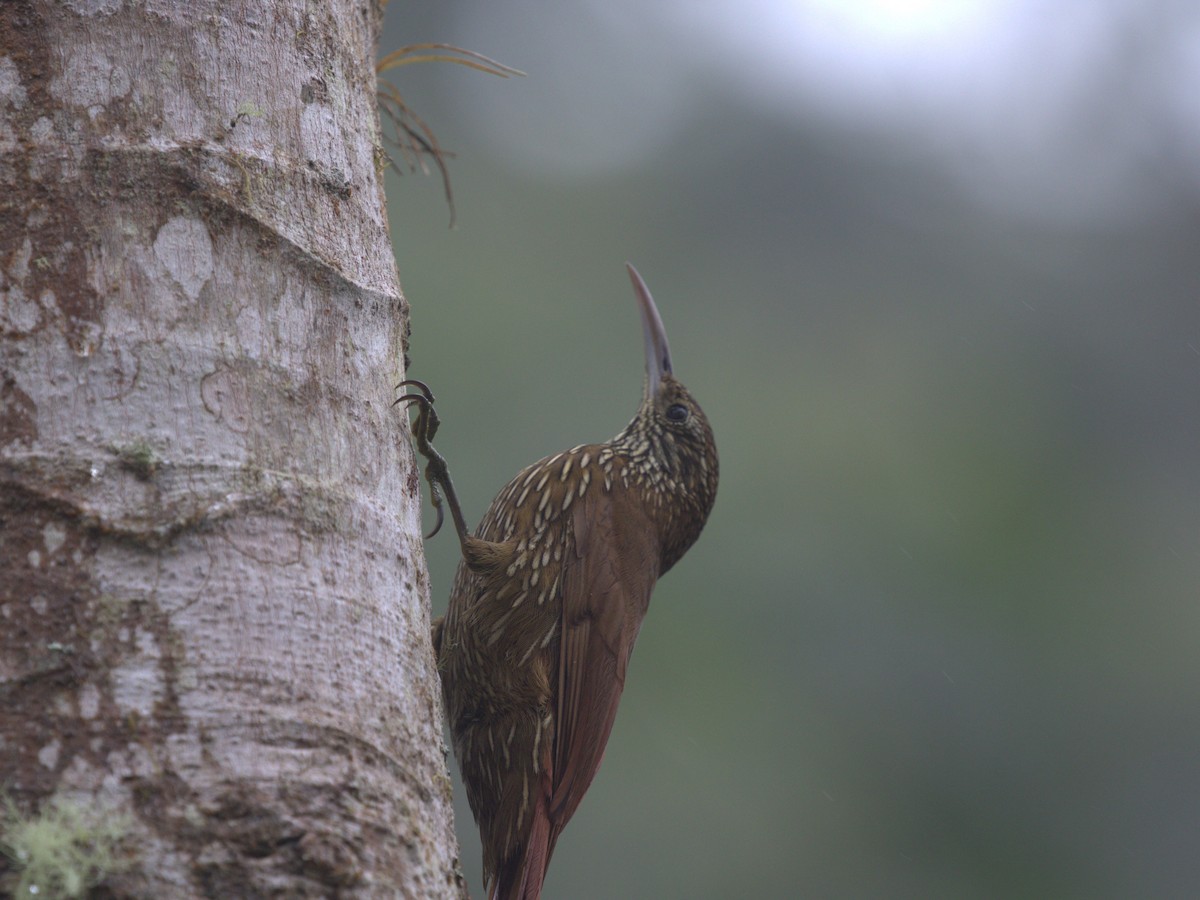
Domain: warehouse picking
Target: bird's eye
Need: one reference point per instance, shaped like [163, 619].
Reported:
[677, 412]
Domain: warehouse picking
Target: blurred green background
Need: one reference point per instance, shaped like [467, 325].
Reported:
[932, 268]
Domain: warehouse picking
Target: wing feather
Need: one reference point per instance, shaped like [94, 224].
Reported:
[606, 591]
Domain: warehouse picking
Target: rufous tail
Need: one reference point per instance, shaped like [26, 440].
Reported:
[520, 877]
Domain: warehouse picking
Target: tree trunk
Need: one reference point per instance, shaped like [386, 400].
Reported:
[213, 601]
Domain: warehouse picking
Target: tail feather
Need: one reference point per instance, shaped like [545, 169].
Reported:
[520, 876]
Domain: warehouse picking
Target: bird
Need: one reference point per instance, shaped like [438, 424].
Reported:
[547, 601]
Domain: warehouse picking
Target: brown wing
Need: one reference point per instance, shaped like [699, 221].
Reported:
[605, 592]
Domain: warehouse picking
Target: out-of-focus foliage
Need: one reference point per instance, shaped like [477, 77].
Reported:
[939, 638]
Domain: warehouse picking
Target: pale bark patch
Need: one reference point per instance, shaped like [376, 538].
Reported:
[12, 92]
[184, 247]
[48, 755]
[90, 79]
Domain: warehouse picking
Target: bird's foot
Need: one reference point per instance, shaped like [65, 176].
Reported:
[437, 472]
[427, 422]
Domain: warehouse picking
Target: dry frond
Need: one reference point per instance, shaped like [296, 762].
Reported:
[415, 140]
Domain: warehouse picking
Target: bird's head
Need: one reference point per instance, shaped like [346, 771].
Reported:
[670, 441]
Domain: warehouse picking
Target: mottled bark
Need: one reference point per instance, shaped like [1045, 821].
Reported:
[213, 601]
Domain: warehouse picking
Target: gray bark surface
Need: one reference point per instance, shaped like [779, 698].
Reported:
[213, 601]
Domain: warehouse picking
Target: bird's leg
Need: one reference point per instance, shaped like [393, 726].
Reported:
[437, 472]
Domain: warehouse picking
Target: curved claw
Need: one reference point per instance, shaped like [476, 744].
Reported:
[427, 421]
[419, 385]
[435, 496]
[441, 517]
[425, 397]
[412, 398]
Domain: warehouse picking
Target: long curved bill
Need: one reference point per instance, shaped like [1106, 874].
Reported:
[658, 352]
